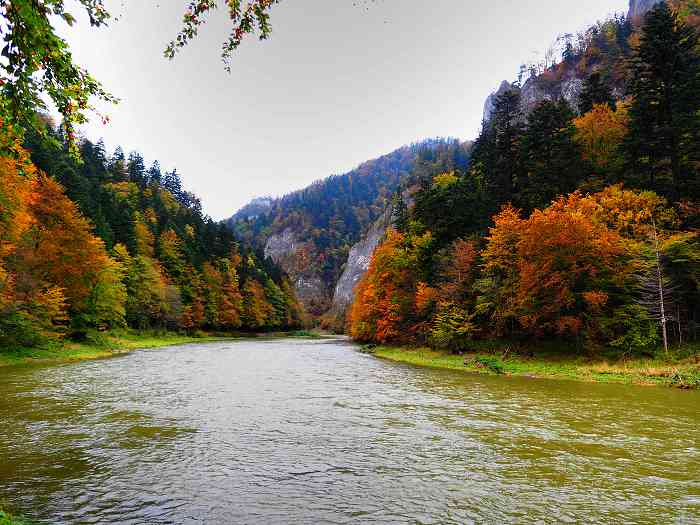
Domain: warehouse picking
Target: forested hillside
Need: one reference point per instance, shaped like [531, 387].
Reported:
[92, 242]
[573, 221]
[310, 231]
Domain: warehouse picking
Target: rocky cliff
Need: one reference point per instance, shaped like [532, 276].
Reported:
[564, 80]
[358, 263]
[292, 255]
[537, 89]
[311, 231]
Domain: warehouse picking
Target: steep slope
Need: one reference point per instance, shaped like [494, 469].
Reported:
[603, 48]
[638, 8]
[172, 266]
[310, 232]
[568, 224]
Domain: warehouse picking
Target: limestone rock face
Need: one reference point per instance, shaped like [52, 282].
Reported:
[538, 89]
[358, 263]
[490, 104]
[280, 246]
[292, 255]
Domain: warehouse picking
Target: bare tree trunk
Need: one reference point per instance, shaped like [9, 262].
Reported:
[659, 272]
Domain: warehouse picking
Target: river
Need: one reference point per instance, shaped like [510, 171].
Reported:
[312, 431]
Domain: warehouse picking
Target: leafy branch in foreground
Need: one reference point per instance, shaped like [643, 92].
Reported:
[253, 18]
[36, 61]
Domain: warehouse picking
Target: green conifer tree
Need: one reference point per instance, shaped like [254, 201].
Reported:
[594, 91]
[664, 124]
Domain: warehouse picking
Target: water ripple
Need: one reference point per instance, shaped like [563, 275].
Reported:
[306, 431]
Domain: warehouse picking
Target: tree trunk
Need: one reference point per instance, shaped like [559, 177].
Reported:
[659, 274]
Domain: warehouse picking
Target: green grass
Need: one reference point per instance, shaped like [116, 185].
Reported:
[9, 519]
[96, 347]
[681, 368]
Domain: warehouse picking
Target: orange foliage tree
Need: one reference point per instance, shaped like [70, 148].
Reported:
[452, 325]
[384, 305]
[50, 262]
[600, 133]
[552, 272]
[60, 248]
[257, 311]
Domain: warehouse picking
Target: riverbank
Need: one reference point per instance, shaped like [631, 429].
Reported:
[116, 343]
[106, 345]
[681, 369]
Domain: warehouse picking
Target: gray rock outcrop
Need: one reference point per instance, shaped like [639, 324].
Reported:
[358, 263]
[279, 247]
[638, 8]
[537, 89]
[291, 254]
[490, 104]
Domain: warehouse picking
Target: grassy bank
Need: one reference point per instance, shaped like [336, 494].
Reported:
[680, 369]
[8, 519]
[101, 346]
[120, 342]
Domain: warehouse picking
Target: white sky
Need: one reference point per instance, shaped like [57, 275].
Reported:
[339, 82]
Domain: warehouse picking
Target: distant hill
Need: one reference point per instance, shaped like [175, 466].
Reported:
[255, 207]
[310, 232]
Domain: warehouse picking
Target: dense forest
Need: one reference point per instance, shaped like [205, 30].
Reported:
[579, 224]
[92, 241]
[330, 215]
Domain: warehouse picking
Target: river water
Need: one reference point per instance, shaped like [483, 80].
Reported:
[312, 431]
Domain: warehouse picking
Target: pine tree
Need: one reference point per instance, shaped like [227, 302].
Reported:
[171, 182]
[507, 130]
[595, 91]
[664, 125]
[137, 169]
[496, 152]
[400, 215]
[550, 156]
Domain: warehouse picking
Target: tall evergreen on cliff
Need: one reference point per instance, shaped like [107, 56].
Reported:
[664, 137]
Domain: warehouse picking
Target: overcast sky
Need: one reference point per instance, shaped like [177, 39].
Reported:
[339, 82]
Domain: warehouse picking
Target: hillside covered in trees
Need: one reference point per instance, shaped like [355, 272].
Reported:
[310, 231]
[91, 242]
[577, 222]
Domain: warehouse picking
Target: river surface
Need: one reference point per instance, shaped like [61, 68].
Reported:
[311, 431]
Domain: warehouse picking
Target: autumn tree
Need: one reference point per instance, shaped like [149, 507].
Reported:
[384, 305]
[63, 251]
[257, 311]
[500, 274]
[146, 287]
[600, 133]
[551, 274]
[31, 309]
[454, 323]
[231, 306]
